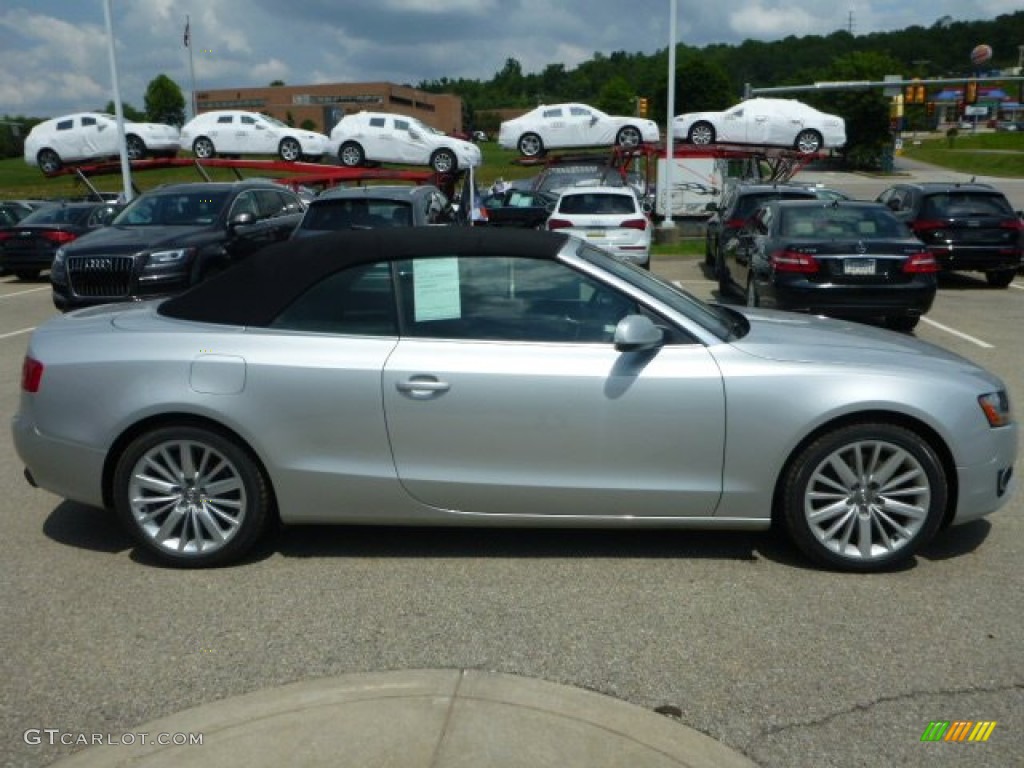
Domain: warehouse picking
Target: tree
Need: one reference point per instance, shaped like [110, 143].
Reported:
[617, 97]
[129, 112]
[276, 83]
[164, 102]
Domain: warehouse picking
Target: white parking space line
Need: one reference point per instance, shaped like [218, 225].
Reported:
[23, 293]
[16, 333]
[1018, 286]
[958, 334]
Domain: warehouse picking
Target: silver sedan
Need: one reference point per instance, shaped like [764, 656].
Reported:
[451, 376]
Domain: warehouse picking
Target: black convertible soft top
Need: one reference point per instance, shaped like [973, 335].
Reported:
[256, 290]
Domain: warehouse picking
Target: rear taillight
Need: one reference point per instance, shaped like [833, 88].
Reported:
[559, 224]
[6, 236]
[735, 223]
[31, 374]
[634, 224]
[793, 261]
[920, 264]
[59, 237]
[926, 225]
[1016, 224]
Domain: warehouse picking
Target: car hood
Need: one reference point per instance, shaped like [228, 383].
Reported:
[115, 239]
[798, 338]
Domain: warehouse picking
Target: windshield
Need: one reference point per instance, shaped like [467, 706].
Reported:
[173, 209]
[715, 319]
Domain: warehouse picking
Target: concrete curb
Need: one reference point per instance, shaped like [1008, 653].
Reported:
[435, 718]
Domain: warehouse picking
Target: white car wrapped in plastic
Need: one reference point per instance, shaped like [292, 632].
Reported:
[764, 122]
[562, 126]
[382, 137]
[93, 136]
[236, 132]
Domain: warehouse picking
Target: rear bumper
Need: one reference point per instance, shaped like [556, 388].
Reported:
[976, 258]
[911, 299]
[66, 469]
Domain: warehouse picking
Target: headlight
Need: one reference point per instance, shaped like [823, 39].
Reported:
[172, 258]
[58, 272]
[996, 407]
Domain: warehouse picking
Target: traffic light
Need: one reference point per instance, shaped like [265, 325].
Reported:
[908, 95]
[641, 106]
[920, 94]
[971, 92]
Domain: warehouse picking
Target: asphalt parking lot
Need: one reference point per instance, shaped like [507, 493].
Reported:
[789, 665]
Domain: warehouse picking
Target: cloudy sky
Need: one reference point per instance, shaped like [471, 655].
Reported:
[53, 53]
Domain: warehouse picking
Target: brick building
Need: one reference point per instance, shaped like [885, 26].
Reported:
[326, 103]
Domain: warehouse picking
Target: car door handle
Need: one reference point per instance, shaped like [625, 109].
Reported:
[422, 386]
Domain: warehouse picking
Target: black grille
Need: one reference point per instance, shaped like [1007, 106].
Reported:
[100, 276]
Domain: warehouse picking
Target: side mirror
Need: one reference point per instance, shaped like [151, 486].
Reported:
[241, 219]
[637, 332]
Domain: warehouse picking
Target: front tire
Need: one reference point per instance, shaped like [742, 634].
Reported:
[289, 150]
[444, 161]
[351, 155]
[701, 134]
[49, 161]
[629, 136]
[191, 496]
[864, 497]
[808, 142]
[530, 145]
[135, 147]
[203, 148]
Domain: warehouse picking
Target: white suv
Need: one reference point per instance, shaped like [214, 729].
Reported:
[609, 217]
[382, 137]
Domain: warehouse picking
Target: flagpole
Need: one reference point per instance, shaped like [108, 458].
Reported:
[191, 65]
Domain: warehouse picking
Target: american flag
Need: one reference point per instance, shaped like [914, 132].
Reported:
[186, 32]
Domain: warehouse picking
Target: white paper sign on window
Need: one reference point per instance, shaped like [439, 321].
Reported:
[436, 289]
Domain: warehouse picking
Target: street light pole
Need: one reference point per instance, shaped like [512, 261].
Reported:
[668, 223]
[126, 169]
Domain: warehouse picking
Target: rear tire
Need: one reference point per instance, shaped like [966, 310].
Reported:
[629, 136]
[203, 148]
[864, 497]
[808, 142]
[351, 155]
[191, 496]
[1000, 278]
[135, 147]
[530, 145]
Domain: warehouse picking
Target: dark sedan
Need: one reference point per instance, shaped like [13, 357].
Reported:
[374, 207]
[842, 258]
[28, 247]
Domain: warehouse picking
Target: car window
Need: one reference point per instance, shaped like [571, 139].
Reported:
[101, 216]
[552, 113]
[225, 119]
[88, 121]
[358, 301]
[597, 203]
[191, 208]
[246, 120]
[579, 112]
[963, 204]
[273, 202]
[402, 125]
[357, 213]
[55, 215]
[506, 299]
[64, 125]
[377, 122]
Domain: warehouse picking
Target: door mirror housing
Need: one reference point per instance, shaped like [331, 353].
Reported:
[637, 332]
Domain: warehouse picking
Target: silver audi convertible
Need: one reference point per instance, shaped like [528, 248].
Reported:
[466, 376]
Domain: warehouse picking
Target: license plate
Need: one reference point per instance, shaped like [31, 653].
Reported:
[859, 267]
[592, 233]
